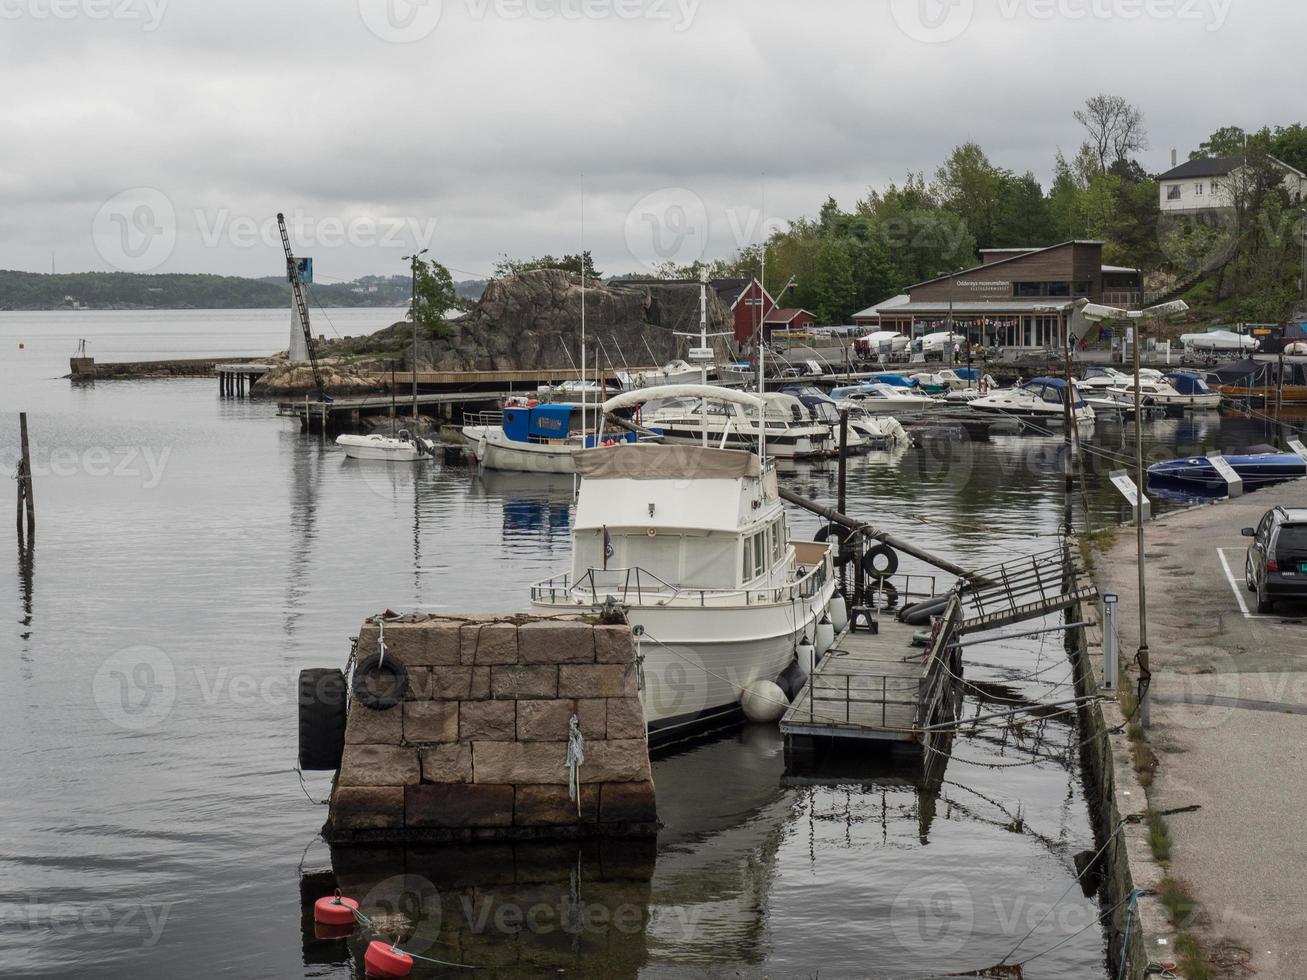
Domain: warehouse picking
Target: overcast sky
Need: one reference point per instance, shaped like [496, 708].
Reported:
[164, 135]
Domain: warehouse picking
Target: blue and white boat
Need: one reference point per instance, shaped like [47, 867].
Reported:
[1255, 469]
[535, 439]
[1193, 390]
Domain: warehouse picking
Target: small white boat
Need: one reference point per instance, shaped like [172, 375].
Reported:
[403, 447]
[1162, 392]
[692, 543]
[675, 372]
[1220, 341]
[1041, 400]
[880, 343]
[532, 438]
[885, 399]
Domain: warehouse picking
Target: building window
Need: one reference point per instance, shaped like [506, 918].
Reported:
[1173, 192]
[1198, 189]
[1216, 186]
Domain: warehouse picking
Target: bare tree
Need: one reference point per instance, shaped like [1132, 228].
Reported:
[1115, 127]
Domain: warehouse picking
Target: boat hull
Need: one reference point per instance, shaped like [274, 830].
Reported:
[1255, 471]
[696, 661]
[496, 452]
[378, 448]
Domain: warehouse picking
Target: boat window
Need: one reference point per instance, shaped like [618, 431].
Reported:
[708, 563]
[1052, 395]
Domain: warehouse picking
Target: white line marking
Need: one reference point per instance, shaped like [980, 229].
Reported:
[1234, 586]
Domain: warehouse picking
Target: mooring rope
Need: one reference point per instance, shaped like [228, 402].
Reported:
[575, 759]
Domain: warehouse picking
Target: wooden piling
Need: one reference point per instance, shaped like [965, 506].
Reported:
[26, 503]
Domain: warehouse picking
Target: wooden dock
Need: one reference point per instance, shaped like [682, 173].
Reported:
[878, 687]
[348, 412]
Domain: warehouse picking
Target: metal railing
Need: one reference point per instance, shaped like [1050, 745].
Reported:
[871, 689]
[637, 587]
[483, 418]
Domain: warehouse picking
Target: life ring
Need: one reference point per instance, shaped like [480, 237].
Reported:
[880, 551]
[843, 554]
[379, 684]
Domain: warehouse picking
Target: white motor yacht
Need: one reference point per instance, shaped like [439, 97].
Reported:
[682, 415]
[883, 399]
[692, 543]
[1161, 392]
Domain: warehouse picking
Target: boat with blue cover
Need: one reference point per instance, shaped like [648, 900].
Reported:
[537, 439]
[1256, 469]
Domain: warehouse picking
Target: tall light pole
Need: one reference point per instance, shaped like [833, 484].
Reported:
[1137, 318]
[413, 261]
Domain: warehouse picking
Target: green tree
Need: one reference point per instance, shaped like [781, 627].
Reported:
[435, 298]
[1225, 142]
[1290, 145]
[568, 263]
[971, 187]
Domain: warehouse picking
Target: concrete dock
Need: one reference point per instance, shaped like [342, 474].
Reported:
[1229, 727]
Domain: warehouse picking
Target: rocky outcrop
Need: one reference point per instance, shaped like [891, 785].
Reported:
[534, 321]
[297, 379]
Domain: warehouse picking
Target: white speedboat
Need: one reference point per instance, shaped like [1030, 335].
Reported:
[1162, 392]
[1041, 400]
[403, 447]
[885, 399]
[878, 432]
[675, 372]
[1100, 377]
[882, 343]
[682, 415]
[1220, 342]
[692, 543]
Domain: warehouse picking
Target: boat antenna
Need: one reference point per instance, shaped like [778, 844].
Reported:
[582, 260]
[703, 346]
[762, 320]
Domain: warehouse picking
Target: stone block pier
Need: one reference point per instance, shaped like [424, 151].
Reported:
[478, 747]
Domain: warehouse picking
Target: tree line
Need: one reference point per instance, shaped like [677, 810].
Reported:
[1242, 264]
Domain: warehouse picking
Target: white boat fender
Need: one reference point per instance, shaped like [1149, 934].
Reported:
[807, 656]
[839, 613]
[825, 636]
[763, 702]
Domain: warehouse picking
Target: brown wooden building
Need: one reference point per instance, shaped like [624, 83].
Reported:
[1016, 297]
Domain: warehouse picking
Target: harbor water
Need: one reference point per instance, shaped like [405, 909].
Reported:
[194, 553]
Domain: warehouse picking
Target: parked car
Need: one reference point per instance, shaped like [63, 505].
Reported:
[1276, 567]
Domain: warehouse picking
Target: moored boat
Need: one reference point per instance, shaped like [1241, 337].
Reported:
[1255, 469]
[692, 543]
[1041, 400]
[403, 447]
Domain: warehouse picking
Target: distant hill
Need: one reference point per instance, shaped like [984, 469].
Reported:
[132, 291]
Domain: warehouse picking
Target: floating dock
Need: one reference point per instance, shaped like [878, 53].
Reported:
[878, 687]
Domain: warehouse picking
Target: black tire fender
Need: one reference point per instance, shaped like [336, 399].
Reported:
[844, 553]
[379, 684]
[321, 718]
[891, 562]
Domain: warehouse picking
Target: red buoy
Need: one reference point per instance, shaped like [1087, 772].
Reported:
[384, 960]
[332, 932]
[334, 910]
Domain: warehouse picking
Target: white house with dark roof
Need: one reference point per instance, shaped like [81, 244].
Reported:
[1206, 185]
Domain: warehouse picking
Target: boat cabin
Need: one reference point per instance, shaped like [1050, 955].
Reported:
[1052, 390]
[550, 424]
[636, 520]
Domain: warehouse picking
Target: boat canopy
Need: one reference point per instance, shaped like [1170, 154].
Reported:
[1188, 383]
[631, 399]
[894, 380]
[657, 462]
[1046, 386]
[522, 424]
[1250, 373]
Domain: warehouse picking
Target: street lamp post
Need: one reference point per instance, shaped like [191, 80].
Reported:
[1137, 318]
[413, 260]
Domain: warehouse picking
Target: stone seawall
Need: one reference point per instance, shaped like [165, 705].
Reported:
[1117, 800]
[478, 748]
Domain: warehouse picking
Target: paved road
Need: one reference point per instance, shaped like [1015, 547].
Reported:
[1229, 725]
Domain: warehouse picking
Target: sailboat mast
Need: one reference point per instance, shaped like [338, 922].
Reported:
[703, 345]
[762, 338]
[584, 426]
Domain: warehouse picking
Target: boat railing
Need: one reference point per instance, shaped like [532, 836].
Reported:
[638, 586]
[483, 418]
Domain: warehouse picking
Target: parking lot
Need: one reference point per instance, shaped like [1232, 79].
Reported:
[1229, 722]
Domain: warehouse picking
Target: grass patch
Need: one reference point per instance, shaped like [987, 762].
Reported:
[1192, 959]
[1159, 838]
[1145, 762]
[1181, 906]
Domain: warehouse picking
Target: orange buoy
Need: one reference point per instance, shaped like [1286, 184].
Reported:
[334, 910]
[384, 960]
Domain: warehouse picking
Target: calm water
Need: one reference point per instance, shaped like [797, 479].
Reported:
[194, 554]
